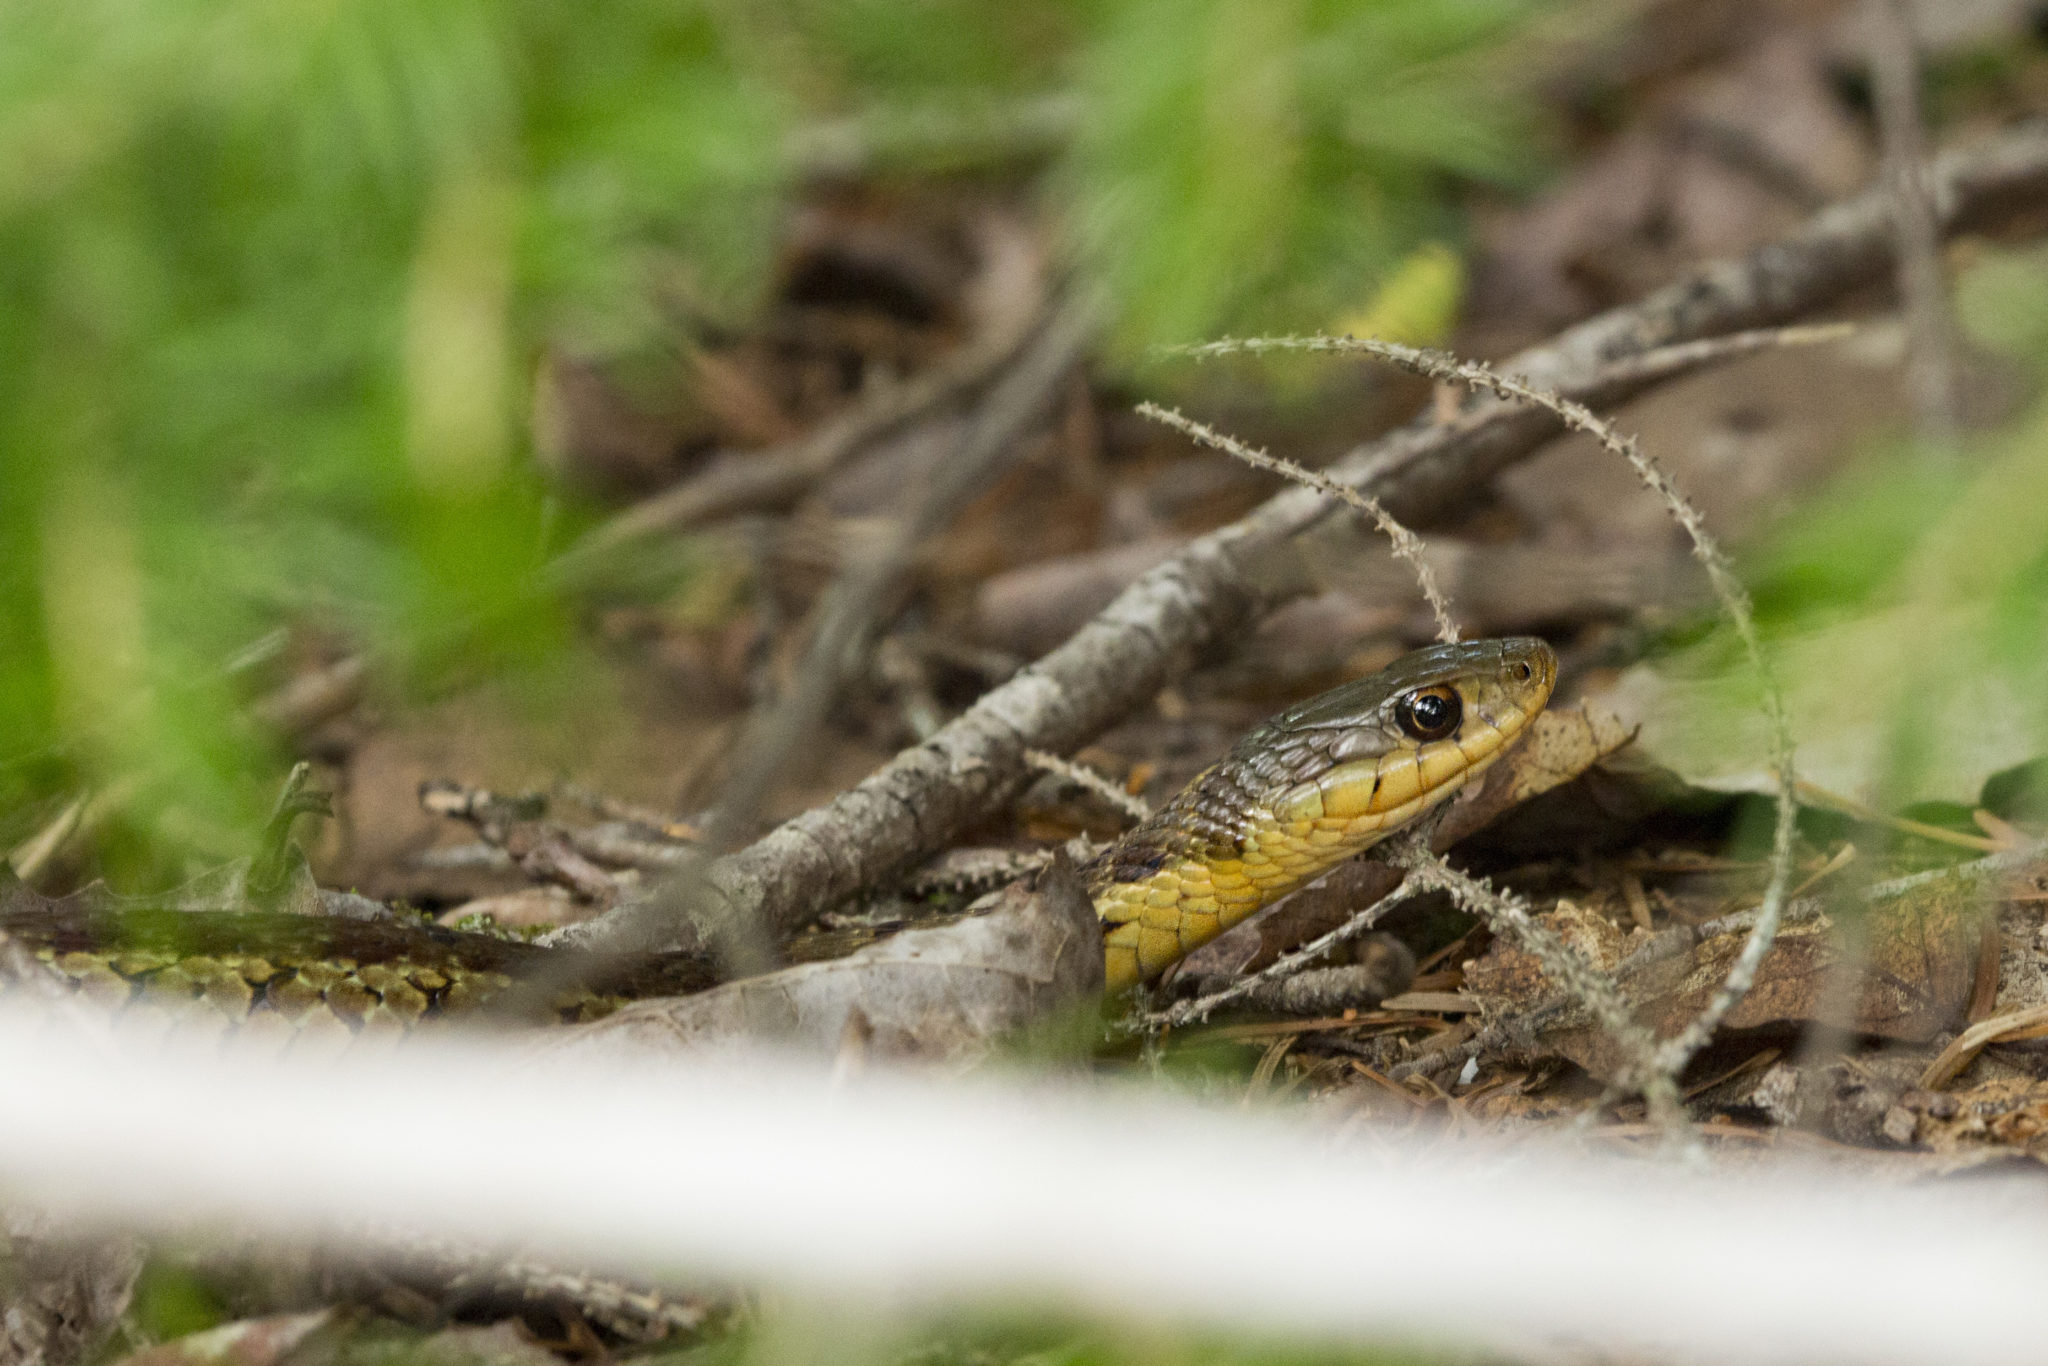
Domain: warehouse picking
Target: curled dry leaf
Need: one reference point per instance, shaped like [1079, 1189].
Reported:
[940, 994]
[1560, 746]
[1916, 961]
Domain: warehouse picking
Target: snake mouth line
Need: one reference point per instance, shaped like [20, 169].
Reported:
[1309, 789]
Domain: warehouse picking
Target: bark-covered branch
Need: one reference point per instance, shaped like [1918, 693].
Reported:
[929, 794]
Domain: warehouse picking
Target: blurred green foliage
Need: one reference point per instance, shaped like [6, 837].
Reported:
[170, 1301]
[1256, 166]
[274, 278]
[1907, 606]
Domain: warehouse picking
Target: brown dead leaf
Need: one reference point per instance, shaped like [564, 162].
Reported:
[734, 396]
[1560, 746]
[1511, 978]
[1917, 966]
[941, 994]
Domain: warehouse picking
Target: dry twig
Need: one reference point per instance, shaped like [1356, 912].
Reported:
[758, 480]
[2029, 1023]
[1406, 544]
[773, 734]
[635, 1312]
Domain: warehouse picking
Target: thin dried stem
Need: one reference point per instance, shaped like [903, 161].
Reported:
[1683, 356]
[2005, 861]
[1132, 805]
[1407, 545]
[1511, 915]
[1664, 360]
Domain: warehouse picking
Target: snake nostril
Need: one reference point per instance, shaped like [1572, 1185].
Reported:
[1523, 673]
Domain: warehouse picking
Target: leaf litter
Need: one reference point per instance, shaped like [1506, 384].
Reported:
[1896, 1010]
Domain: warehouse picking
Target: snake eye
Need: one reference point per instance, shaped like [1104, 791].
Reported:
[1430, 713]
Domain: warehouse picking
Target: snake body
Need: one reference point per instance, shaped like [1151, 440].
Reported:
[305, 976]
[1308, 789]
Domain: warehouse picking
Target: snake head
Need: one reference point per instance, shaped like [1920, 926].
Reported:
[1310, 788]
[1393, 744]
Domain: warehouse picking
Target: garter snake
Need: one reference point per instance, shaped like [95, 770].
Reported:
[1301, 793]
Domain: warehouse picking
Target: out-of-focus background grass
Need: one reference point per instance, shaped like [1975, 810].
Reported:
[277, 278]
[281, 284]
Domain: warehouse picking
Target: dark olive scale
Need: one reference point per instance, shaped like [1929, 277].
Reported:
[1346, 706]
[1210, 817]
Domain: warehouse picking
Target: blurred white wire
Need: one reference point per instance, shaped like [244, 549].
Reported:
[908, 1191]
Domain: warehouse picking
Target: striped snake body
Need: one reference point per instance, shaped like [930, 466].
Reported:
[1308, 789]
